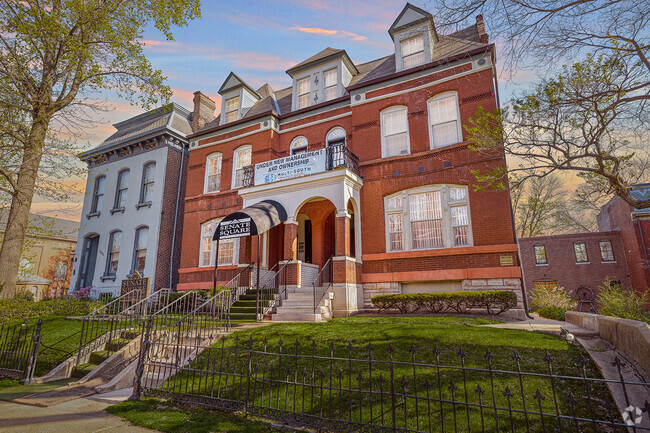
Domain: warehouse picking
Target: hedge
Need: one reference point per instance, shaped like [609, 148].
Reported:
[494, 301]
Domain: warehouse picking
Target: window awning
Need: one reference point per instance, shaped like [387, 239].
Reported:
[251, 221]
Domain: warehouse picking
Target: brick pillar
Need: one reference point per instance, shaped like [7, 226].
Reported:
[291, 252]
[245, 250]
[342, 248]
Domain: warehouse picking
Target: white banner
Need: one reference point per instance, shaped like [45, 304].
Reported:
[289, 167]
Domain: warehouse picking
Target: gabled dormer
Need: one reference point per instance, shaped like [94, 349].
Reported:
[321, 78]
[414, 35]
[237, 98]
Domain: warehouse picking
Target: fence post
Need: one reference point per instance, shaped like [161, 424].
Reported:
[393, 401]
[144, 349]
[36, 343]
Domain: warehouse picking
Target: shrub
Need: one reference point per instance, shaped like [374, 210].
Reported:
[494, 301]
[555, 313]
[13, 309]
[615, 301]
[23, 295]
[543, 297]
[83, 293]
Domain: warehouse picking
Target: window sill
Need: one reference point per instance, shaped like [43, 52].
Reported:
[107, 278]
[583, 263]
[117, 210]
[541, 264]
[608, 261]
[211, 192]
[145, 204]
[93, 214]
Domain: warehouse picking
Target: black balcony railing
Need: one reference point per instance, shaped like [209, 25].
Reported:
[338, 155]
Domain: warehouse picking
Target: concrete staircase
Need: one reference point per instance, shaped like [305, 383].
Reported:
[299, 306]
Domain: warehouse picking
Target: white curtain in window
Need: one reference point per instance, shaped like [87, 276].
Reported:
[459, 222]
[395, 230]
[227, 247]
[413, 51]
[444, 121]
[426, 220]
[330, 84]
[395, 127]
[214, 173]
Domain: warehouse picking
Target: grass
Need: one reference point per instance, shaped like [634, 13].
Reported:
[305, 380]
[8, 383]
[173, 418]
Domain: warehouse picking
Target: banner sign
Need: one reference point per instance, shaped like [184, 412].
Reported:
[235, 229]
[290, 167]
[137, 283]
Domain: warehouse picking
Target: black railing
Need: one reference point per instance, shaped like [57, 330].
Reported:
[376, 388]
[249, 176]
[323, 282]
[241, 283]
[272, 288]
[19, 346]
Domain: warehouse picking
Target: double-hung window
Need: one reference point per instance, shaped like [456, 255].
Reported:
[540, 254]
[331, 84]
[212, 173]
[242, 159]
[443, 119]
[580, 250]
[606, 251]
[122, 187]
[434, 216]
[412, 51]
[232, 109]
[148, 177]
[303, 92]
[395, 136]
[114, 244]
[228, 248]
[98, 195]
[140, 250]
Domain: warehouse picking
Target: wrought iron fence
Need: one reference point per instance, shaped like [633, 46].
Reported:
[322, 282]
[272, 288]
[363, 389]
[19, 345]
[248, 178]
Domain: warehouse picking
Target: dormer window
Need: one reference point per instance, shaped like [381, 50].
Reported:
[413, 51]
[331, 84]
[303, 93]
[232, 109]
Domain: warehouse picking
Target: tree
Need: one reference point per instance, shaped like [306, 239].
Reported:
[610, 40]
[583, 121]
[52, 54]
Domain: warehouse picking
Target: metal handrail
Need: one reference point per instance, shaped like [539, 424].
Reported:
[119, 298]
[319, 297]
[264, 297]
[236, 291]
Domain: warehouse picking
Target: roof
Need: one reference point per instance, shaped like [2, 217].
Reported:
[410, 16]
[45, 226]
[169, 117]
[32, 279]
[641, 192]
[233, 81]
[279, 102]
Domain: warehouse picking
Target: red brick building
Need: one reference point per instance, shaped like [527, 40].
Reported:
[370, 164]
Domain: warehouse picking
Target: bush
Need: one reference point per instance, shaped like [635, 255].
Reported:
[20, 309]
[555, 313]
[494, 301]
[23, 295]
[543, 297]
[615, 301]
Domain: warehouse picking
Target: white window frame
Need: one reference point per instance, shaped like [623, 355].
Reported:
[390, 110]
[206, 182]
[307, 93]
[459, 129]
[121, 189]
[293, 147]
[337, 129]
[213, 244]
[421, 52]
[235, 159]
[334, 86]
[236, 110]
[447, 225]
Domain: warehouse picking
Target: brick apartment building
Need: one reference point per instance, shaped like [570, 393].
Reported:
[619, 251]
[369, 164]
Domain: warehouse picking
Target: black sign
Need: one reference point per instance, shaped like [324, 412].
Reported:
[238, 228]
[137, 283]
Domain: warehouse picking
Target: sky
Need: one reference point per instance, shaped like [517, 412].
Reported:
[258, 40]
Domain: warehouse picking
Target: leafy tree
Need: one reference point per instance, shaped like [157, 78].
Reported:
[52, 54]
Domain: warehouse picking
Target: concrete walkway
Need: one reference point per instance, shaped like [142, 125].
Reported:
[547, 326]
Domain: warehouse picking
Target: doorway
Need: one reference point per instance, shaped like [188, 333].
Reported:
[88, 261]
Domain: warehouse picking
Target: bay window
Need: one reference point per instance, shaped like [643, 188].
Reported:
[434, 216]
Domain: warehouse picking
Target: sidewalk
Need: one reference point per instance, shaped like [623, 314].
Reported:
[548, 326]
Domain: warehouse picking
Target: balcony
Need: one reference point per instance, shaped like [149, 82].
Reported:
[330, 158]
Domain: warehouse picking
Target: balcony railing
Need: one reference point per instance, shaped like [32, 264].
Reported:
[338, 155]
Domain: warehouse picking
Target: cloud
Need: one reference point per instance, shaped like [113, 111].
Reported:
[330, 32]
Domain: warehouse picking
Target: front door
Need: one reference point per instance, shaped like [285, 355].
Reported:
[308, 255]
[88, 262]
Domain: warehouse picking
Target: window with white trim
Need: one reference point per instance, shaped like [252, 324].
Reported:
[242, 159]
[434, 216]
[228, 248]
[303, 92]
[412, 51]
[395, 136]
[212, 173]
[331, 84]
[232, 109]
[336, 136]
[443, 120]
[299, 145]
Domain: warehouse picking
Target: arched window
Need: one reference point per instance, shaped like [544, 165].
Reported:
[98, 194]
[444, 120]
[114, 244]
[140, 250]
[61, 270]
[212, 173]
[241, 159]
[299, 145]
[122, 187]
[228, 248]
[148, 176]
[394, 132]
[336, 136]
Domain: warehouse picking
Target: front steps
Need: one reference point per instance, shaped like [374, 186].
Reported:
[299, 306]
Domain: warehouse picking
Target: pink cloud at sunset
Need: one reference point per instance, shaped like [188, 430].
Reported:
[330, 32]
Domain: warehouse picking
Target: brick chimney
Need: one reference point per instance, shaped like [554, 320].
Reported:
[480, 27]
[203, 111]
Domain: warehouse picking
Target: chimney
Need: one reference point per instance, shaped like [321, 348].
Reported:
[480, 27]
[203, 111]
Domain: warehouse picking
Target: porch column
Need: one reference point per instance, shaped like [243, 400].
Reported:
[342, 248]
[291, 252]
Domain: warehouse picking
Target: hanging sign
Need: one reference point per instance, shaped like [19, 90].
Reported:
[290, 167]
[237, 228]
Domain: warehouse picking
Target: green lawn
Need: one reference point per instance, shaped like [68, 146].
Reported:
[301, 391]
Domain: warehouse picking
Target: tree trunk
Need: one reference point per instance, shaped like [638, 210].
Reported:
[21, 202]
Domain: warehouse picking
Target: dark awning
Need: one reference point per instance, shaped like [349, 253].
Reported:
[251, 221]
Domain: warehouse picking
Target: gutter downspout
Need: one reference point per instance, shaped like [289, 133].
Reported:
[178, 195]
[524, 298]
